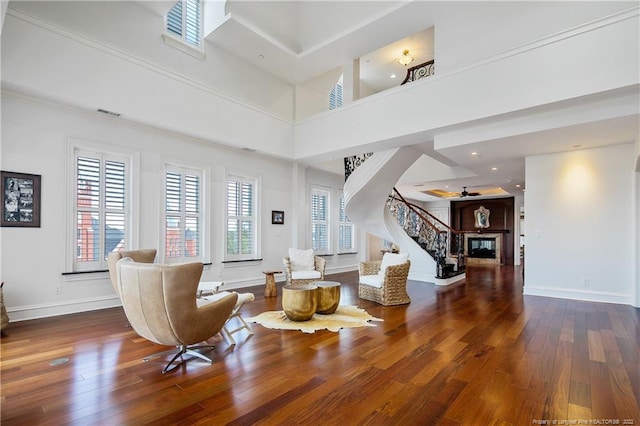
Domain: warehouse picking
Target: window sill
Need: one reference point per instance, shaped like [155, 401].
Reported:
[241, 261]
[179, 44]
[85, 272]
[324, 254]
[347, 252]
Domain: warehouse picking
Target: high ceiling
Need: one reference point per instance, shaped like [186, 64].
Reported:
[297, 40]
[300, 40]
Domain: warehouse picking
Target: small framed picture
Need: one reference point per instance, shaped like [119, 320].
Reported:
[277, 217]
[20, 194]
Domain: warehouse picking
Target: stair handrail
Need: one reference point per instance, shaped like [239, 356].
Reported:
[413, 207]
[443, 245]
[450, 229]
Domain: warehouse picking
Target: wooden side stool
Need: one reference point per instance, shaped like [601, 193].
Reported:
[270, 283]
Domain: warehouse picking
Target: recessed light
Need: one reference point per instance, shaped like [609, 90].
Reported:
[392, 76]
[474, 153]
[494, 168]
[261, 56]
[517, 186]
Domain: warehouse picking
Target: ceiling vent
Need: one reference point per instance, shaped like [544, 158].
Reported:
[111, 113]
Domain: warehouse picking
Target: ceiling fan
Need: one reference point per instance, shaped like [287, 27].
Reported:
[466, 193]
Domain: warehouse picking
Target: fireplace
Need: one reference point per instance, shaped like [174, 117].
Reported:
[483, 247]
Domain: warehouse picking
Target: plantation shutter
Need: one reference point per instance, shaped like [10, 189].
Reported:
[346, 237]
[319, 221]
[241, 230]
[182, 214]
[184, 21]
[101, 222]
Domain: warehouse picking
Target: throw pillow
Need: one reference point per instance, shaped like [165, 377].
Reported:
[391, 259]
[302, 260]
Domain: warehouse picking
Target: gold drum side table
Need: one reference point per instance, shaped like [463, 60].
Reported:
[299, 302]
[328, 296]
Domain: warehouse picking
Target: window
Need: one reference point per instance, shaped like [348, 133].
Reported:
[241, 220]
[102, 208]
[183, 214]
[184, 21]
[346, 238]
[335, 98]
[320, 220]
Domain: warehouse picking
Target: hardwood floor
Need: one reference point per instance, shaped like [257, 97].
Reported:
[478, 353]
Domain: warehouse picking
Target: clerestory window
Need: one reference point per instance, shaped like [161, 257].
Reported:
[335, 98]
[184, 21]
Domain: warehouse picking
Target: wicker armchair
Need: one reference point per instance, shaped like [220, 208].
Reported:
[387, 291]
[301, 277]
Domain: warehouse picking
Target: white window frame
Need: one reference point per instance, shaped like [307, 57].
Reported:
[75, 149]
[319, 191]
[255, 218]
[183, 214]
[344, 222]
[181, 42]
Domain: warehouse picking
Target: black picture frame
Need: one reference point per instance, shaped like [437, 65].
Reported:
[277, 217]
[20, 195]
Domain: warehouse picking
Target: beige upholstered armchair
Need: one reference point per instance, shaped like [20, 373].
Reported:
[161, 306]
[385, 281]
[140, 256]
[303, 267]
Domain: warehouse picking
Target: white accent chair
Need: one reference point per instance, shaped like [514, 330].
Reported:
[303, 267]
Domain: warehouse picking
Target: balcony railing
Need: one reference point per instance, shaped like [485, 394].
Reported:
[419, 71]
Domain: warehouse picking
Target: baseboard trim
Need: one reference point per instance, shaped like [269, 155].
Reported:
[589, 296]
[46, 310]
[443, 282]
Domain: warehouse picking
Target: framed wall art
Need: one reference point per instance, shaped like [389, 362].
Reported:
[20, 193]
[277, 217]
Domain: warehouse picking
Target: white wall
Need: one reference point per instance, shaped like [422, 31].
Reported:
[462, 95]
[136, 30]
[312, 96]
[96, 64]
[475, 31]
[580, 223]
[34, 140]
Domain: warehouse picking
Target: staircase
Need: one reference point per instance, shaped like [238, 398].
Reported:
[370, 206]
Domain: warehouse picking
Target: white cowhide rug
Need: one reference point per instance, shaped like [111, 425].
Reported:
[346, 316]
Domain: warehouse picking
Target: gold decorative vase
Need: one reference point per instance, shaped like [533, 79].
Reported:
[328, 296]
[299, 302]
